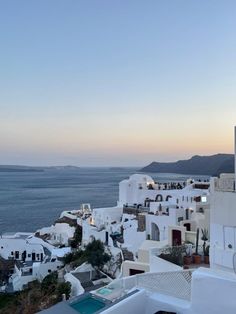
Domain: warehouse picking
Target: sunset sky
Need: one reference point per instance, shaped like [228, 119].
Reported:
[116, 83]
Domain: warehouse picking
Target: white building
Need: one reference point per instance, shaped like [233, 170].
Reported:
[58, 234]
[23, 247]
[30, 271]
[203, 291]
[223, 222]
[146, 210]
[34, 258]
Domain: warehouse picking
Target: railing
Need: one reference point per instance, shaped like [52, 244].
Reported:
[176, 284]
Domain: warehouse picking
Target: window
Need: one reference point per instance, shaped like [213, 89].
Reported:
[29, 255]
[135, 272]
[164, 312]
[49, 271]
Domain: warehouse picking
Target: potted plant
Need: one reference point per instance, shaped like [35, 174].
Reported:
[173, 254]
[196, 257]
[187, 256]
[205, 237]
[206, 254]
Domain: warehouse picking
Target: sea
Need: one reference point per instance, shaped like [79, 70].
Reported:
[31, 200]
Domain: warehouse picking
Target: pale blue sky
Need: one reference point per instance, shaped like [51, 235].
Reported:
[116, 82]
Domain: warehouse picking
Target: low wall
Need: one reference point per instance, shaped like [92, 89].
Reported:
[136, 303]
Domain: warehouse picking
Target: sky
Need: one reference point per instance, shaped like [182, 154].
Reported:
[116, 82]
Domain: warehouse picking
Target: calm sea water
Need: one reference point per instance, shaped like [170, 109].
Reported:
[31, 200]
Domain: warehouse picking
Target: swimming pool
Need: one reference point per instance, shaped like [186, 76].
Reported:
[104, 291]
[88, 305]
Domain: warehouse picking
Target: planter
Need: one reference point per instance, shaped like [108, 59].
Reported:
[187, 260]
[197, 259]
[206, 259]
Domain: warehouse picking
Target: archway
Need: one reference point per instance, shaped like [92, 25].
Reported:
[187, 225]
[155, 232]
[159, 198]
[147, 202]
[168, 197]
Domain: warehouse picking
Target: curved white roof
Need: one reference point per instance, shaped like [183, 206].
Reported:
[141, 178]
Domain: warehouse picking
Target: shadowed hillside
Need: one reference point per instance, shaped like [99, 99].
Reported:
[197, 165]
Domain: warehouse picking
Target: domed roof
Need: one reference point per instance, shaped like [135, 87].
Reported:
[141, 178]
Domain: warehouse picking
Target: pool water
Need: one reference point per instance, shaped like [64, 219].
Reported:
[88, 305]
[104, 291]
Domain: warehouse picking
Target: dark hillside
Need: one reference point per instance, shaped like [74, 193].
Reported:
[198, 165]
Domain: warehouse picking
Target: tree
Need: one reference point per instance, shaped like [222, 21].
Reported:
[96, 255]
[63, 288]
[77, 237]
[49, 282]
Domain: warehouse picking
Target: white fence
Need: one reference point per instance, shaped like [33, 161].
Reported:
[176, 284]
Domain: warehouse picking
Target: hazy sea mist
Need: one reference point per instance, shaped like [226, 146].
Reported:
[31, 200]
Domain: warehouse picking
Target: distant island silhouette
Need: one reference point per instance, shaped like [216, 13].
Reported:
[16, 168]
[197, 165]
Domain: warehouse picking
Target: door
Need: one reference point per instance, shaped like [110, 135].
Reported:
[155, 232]
[24, 256]
[33, 256]
[176, 237]
[106, 241]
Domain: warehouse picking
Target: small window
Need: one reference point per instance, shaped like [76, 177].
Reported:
[49, 271]
[29, 255]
